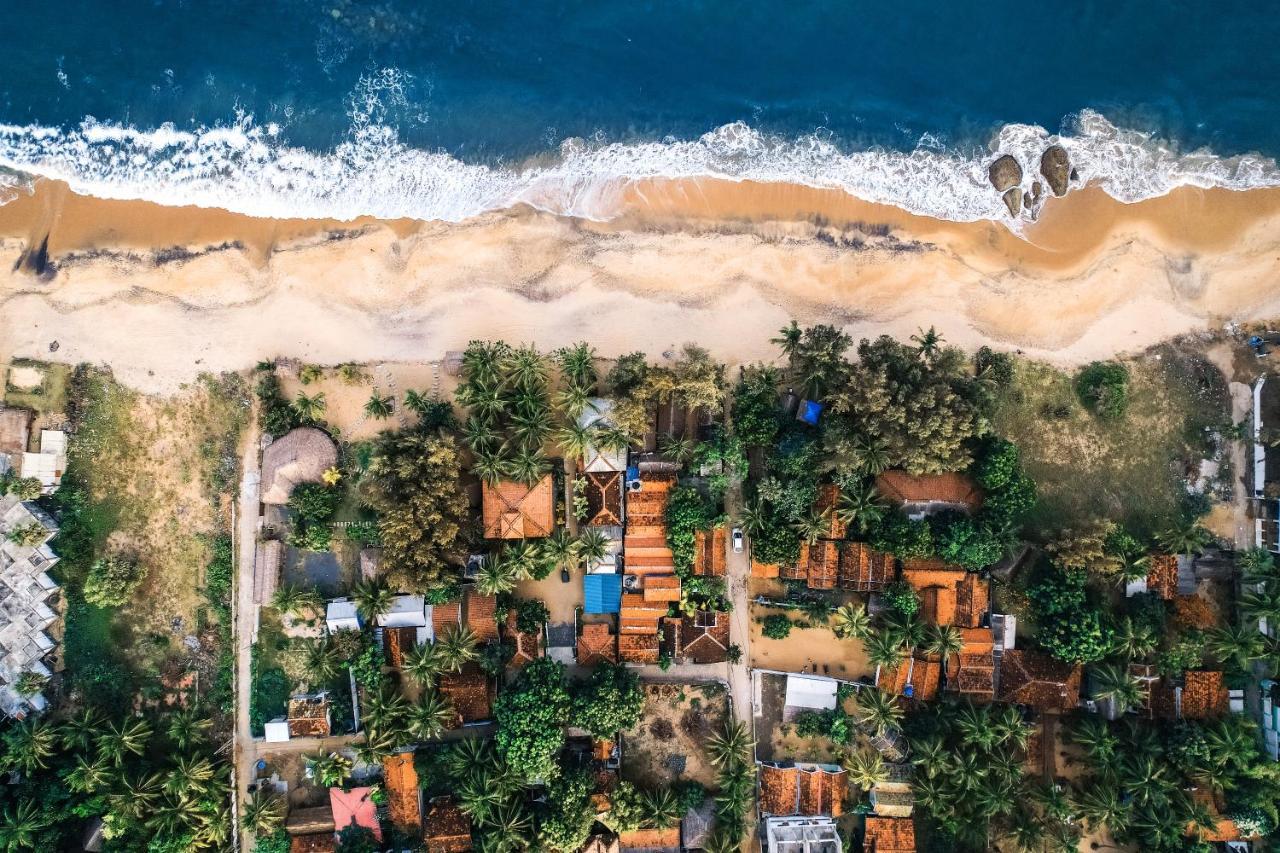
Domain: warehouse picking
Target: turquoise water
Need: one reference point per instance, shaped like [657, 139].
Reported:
[441, 110]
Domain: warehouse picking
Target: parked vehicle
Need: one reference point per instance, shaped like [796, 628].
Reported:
[737, 540]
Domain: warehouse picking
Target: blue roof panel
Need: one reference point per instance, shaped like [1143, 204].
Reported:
[602, 593]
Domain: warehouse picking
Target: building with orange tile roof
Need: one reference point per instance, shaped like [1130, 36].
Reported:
[308, 715]
[817, 565]
[470, 694]
[661, 588]
[709, 552]
[446, 828]
[889, 835]
[404, 796]
[919, 495]
[651, 840]
[639, 616]
[596, 644]
[1162, 575]
[398, 641]
[863, 569]
[527, 647]
[971, 672]
[480, 614]
[649, 582]
[445, 617]
[827, 505]
[915, 678]
[638, 648]
[702, 638]
[765, 570]
[512, 510]
[949, 595]
[779, 789]
[1039, 681]
[802, 789]
[1200, 696]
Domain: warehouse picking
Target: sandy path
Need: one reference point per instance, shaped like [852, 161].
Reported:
[1093, 278]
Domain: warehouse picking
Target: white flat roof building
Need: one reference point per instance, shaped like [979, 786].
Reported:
[811, 692]
[802, 835]
[47, 465]
[25, 586]
[406, 611]
[276, 731]
[341, 615]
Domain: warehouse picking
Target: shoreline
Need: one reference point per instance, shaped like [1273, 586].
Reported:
[164, 293]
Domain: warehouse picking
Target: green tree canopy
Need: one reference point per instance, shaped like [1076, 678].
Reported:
[610, 701]
[531, 715]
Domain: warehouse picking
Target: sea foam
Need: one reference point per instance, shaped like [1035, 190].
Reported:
[249, 169]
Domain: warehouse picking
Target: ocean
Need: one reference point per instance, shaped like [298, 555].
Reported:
[443, 110]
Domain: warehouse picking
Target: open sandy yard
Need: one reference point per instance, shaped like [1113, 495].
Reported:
[668, 742]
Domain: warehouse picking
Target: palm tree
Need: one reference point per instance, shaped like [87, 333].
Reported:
[528, 466]
[1011, 729]
[860, 507]
[532, 428]
[974, 722]
[135, 795]
[487, 403]
[574, 441]
[508, 827]
[423, 663]
[1113, 683]
[1095, 737]
[80, 729]
[477, 798]
[293, 600]
[490, 465]
[851, 621]
[1237, 645]
[1100, 806]
[943, 642]
[372, 598]
[20, 827]
[578, 363]
[328, 770]
[729, 747]
[124, 738]
[322, 660]
[30, 743]
[871, 456]
[90, 775]
[612, 439]
[755, 516]
[479, 434]
[560, 549]
[525, 367]
[878, 711]
[378, 406]
[263, 812]
[1145, 779]
[883, 648]
[788, 340]
[1133, 640]
[592, 546]
[1232, 742]
[866, 769]
[310, 409]
[379, 741]
[469, 755]
[1133, 567]
[931, 755]
[458, 647]
[678, 450]
[928, 343]
[497, 575]
[907, 629]
[188, 772]
[573, 400]
[813, 526]
[1257, 565]
[431, 717]
[1187, 538]
[663, 810]
[721, 841]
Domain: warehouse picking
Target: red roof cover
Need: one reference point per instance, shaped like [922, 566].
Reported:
[354, 806]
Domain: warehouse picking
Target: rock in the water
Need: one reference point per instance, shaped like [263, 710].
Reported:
[1013, 200]
[1005, 173]
[1055, 166]
[1036, 189]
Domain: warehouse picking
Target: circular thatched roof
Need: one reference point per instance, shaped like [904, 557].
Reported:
[299, 456]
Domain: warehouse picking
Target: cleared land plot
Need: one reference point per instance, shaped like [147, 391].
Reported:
[776, 739]
[37, 385]
[667, 744]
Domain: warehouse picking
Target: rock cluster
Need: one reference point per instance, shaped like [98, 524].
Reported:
[1005, 174]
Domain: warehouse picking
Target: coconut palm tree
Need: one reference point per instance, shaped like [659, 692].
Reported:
[379, 742]
[1236, 645]
[731, 746]
[866, 769]
[292, 600]
[90, 775]
[508, 828]
[470, 755]
[487, 403]
[264, 812]
[328, 769]
[592, 546]
[613, 439]
[378, 406]
[974, 722]
[1133, 567]
[477, 798]
[128, 737]
[860, 507]
[479, 435]
[1133, 640]
[532, 427]
[1232, 742]
[525, 557]
[755, 516]
[490, 465]
[482, 359]
[1186, 538]
[788, 340]
[134, 795]
[1145, 779]
[1011, 729]
[1099, 805]
[878, 711]
[431, 717]
[871, 456]
[851, 621]
[1026, 831]
[20, 827]
[663, 810]
[678, 450]
[372, 598]
[1262, 604]
[931, 756]
[188, 772]
[458, 647]
[884, 648]
[385, 708]
[528, 466]
[322, 660]
[309, 408]
[813, 526]
[525, 367]
[1113, 683]
[943, 641]
[1095, 737]
[574, 441]
[497, 575]
[560, 549]
[928, 343]
[578, 363]
[572, 400]
[423, 663]
[81, 729]
[721, 841]
[907, 628]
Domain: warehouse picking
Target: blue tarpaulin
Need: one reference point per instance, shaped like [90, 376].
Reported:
[810, 412]
[602, 593]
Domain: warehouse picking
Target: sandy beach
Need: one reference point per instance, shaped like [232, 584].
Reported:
[162, 294]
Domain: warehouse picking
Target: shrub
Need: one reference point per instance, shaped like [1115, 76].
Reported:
[275, 415]
[531, 615]
[998, 366]
[112, 581]
[776, 627]
[687, 513]
[1103, 387]
[315, 503]
[901, 598]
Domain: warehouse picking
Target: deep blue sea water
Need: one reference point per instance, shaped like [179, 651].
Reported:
[444, 109]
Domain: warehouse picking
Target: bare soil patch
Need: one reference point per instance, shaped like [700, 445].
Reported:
[668, 742]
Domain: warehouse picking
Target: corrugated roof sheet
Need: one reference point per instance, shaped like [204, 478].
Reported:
[602, 593]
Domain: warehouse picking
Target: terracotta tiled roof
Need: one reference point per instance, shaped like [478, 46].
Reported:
[704, 637]
[448, 830]
[638, 648]
[938, 605]
[973, 599]
[404, 804]
[923, 676]
[308, 716]
[899, 487]
[399, 641]
[926, 573]
[649, 839]
[765, 570]
[889, 835]
[974, 676]
[1224, 828]
[828, 502]
[316, 842]
[1037, 680]
[1203, 695]
[445, 617]
[948, 594]
[596, 644]
[823, 792]
[863, 569]
[481, 615]
[779, 789]
[469, 693]
[661, 588]
[639, 616]
[528, 647]
[603, 491]
[355, 807]
[515, 511]
[1162, 576]
[310, 821]
[709, 552]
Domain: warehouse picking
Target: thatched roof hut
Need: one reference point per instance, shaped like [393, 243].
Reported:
[299, 456]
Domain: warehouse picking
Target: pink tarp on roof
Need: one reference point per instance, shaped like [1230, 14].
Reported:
[354, 806]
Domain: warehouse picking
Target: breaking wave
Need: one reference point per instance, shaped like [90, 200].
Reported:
[251, 169]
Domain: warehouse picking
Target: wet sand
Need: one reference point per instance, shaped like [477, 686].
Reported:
[161, 294]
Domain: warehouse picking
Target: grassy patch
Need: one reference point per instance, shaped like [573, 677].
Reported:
[50, 397]
[1130, 468]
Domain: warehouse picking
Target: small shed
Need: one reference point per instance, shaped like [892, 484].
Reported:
[406, 611]
[602, 593]
[276, 731]
[810, 693]
[341, 615]
[695, 828]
